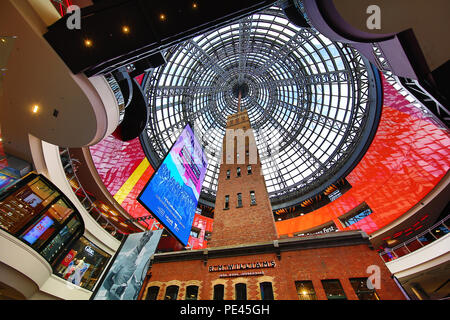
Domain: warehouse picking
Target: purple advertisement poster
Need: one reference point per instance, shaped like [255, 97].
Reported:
[173, 191]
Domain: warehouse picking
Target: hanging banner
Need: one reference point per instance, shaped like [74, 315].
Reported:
[124, 279]
[172, 193]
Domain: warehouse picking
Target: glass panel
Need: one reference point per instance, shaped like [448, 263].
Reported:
[439, 231]
[401, 251]
[60, 210]
[83, 264]
[22, 206]
[414, 245]
[40, 231]
[266, 291]
[219, 291]
[152, 293]
[239, 199]
[333, 290]
[305, 290]
[241, 291]
[362, 291]
[65, 235]
[171, 293]
[191, 292]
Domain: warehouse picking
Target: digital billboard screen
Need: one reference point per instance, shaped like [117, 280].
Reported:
[124, 279]
[172, 193]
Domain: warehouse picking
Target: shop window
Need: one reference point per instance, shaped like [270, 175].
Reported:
[249, 169]
[228, 174]
[171, 293]
[362, 290]
[266, 290]
[239, 200]
[238, 171]
[305, 290]
[219, 291]
[333, 289]
[152, 293]
[191, 292]
[83, 264]
[240, 291]
[71, 230]
[227, 202]
[252, 198]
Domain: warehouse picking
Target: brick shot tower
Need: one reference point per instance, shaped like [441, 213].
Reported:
[243, 213]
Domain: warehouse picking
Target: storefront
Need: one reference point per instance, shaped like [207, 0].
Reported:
[337, 265]
[83, 264]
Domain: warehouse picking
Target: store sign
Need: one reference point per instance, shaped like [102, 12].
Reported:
[242, 266]
[89, 250]
[172, 194]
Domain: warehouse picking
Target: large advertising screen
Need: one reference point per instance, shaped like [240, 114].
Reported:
[172, 193]
[124, 279]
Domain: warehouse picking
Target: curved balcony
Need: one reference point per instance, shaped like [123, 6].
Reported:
[430, 235]
[86, 198]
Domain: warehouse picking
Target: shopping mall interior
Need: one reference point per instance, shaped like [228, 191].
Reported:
[342, 176]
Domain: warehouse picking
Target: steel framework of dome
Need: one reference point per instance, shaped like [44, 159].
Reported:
[312, 102]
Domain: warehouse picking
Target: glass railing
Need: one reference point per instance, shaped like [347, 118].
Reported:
[118, 94]
[428, 236]
[70, 168]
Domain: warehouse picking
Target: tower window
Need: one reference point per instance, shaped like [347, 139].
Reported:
[333, 289]
[152, 293]
[266, 291]
[228, 174]
[191, 292]
[305, 290]
[219, 291]
[249, 169]
[252, 198]
[238, 171]
[239, 200]
[171, 293]
[241, 291]
[227, 202]
[362, 290]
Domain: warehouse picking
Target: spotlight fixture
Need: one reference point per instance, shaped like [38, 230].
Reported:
[88, 43]
[125, 29]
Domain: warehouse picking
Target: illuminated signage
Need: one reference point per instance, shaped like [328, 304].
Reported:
[89, 250]
[242, 266]
[38, 230]
[172, 194]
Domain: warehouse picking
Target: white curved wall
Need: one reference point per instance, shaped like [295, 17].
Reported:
[29, 273]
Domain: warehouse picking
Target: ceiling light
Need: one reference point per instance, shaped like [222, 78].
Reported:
[162, 17]
[35, 108]
[126, 29]
[194, 5]
[88, 43]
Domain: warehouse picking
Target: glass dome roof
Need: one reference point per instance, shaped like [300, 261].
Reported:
[309, 101]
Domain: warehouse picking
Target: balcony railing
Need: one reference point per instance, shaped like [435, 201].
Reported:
[70, 165]
[430, 235]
